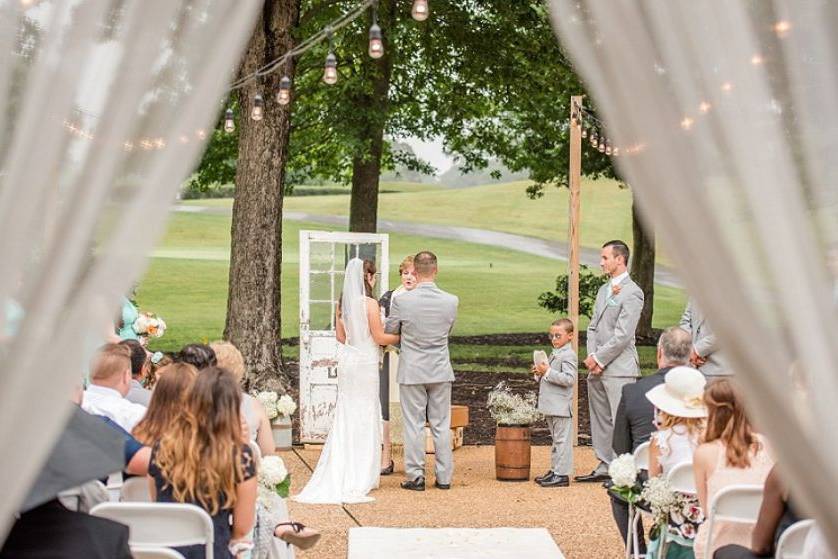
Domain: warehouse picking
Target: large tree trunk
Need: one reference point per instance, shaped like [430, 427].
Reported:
[643, 266]
[372, 106]
[253, 305]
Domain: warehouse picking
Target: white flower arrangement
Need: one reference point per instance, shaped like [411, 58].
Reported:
[273, 478]
[275, 405]
[149, 325]
[507, 408]
[623, 471]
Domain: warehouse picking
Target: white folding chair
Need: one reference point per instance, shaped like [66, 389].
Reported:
[135, 490]
[791, 541]
[641, 456]
[737, 503]
[161, 524]
[681, 478]
[155, 553]
[114, 486]
[641, 460]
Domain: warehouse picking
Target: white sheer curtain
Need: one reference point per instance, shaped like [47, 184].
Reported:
[732, 110]
[105, 106]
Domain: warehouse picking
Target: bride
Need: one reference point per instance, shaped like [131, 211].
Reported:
[349, 466]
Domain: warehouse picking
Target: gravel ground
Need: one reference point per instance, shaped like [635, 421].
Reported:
[578, 517]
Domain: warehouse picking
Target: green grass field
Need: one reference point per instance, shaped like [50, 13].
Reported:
[186, 282]
[606, 209]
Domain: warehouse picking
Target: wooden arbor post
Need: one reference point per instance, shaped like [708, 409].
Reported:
[574, 183]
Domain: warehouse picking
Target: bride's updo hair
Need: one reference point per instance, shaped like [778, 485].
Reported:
[369, 270]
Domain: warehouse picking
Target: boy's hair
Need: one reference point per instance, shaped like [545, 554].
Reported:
[109, 361]
[565, 324]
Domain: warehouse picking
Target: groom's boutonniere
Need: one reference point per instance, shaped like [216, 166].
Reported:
[615, 290]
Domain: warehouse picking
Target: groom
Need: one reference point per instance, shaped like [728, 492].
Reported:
[425, 317]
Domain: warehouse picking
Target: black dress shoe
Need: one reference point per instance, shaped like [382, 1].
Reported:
[592, 477]
[555, 480]
[417, 484]
[439, 485]
[389, 469]
[538, 479]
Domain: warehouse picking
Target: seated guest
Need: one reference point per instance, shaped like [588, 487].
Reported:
[201, 460]
[158, 361]
[167, 402]
[731, 453]
[51, 530]
[139, 370]
[634, 421]
[775, 515]
[680, 419]
[110, 381]
[199, 356]
[258, 424]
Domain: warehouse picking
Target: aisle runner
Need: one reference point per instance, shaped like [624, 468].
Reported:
[452, 543]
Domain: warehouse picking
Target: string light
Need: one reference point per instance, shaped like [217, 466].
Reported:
[330, 71]
[727, 87]
[257, 113]
[601, 147]
[616, 152]
[283, 96]
[608, 149]
[756, 60]
[687, 123]
[420, 10]
[229, 123]
[376, 48]
[782, 28]
[704, 107]
[201, 133]
[584, 133]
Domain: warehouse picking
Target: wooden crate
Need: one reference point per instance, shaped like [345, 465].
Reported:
[456, 439]
[459, 416]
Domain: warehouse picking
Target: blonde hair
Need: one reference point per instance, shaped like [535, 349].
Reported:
[200, 456]
[109, 361]
[406, 263]
[694, 425]
[229, 357]
[728, 423]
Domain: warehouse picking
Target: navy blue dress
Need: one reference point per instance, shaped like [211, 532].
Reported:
[220, 521]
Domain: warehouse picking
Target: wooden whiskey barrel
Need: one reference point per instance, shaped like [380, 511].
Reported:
[512, 453]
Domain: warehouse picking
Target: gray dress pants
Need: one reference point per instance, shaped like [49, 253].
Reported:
[432, 402]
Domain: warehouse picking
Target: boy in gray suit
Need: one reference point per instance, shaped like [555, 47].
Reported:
[555, 401]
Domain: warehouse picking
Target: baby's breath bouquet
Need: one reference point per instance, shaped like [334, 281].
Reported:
[508, 408]
[672, 511]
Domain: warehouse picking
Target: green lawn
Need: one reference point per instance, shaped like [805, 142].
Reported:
[605, 209]
[186, 282]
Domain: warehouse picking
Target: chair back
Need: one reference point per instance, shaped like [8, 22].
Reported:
[736, 503]
[155, 553]
[114, 485]
[792, 540]
[681, 478]
[135, 490]
[641, 456]
[161, 524]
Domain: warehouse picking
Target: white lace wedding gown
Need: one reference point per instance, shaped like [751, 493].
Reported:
[349, 466]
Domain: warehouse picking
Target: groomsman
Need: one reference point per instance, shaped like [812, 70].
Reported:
[612, 360]
[705, 355]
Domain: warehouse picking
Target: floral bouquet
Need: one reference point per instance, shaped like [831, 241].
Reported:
[510, 409]
[275, 405]
[149, 325]
[274, 479]
[672, 511]
[623, 472]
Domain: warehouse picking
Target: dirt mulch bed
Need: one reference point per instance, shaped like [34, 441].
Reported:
[471, 388]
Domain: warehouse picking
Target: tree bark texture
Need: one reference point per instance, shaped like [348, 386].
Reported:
[643, 266]
[372, 110]
[253, 306]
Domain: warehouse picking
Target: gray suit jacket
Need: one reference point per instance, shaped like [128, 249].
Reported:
[611, 330]
[424, 317]
[555, 389]
[704, 341]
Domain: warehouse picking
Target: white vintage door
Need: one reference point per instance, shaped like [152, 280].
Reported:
[323, 258]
